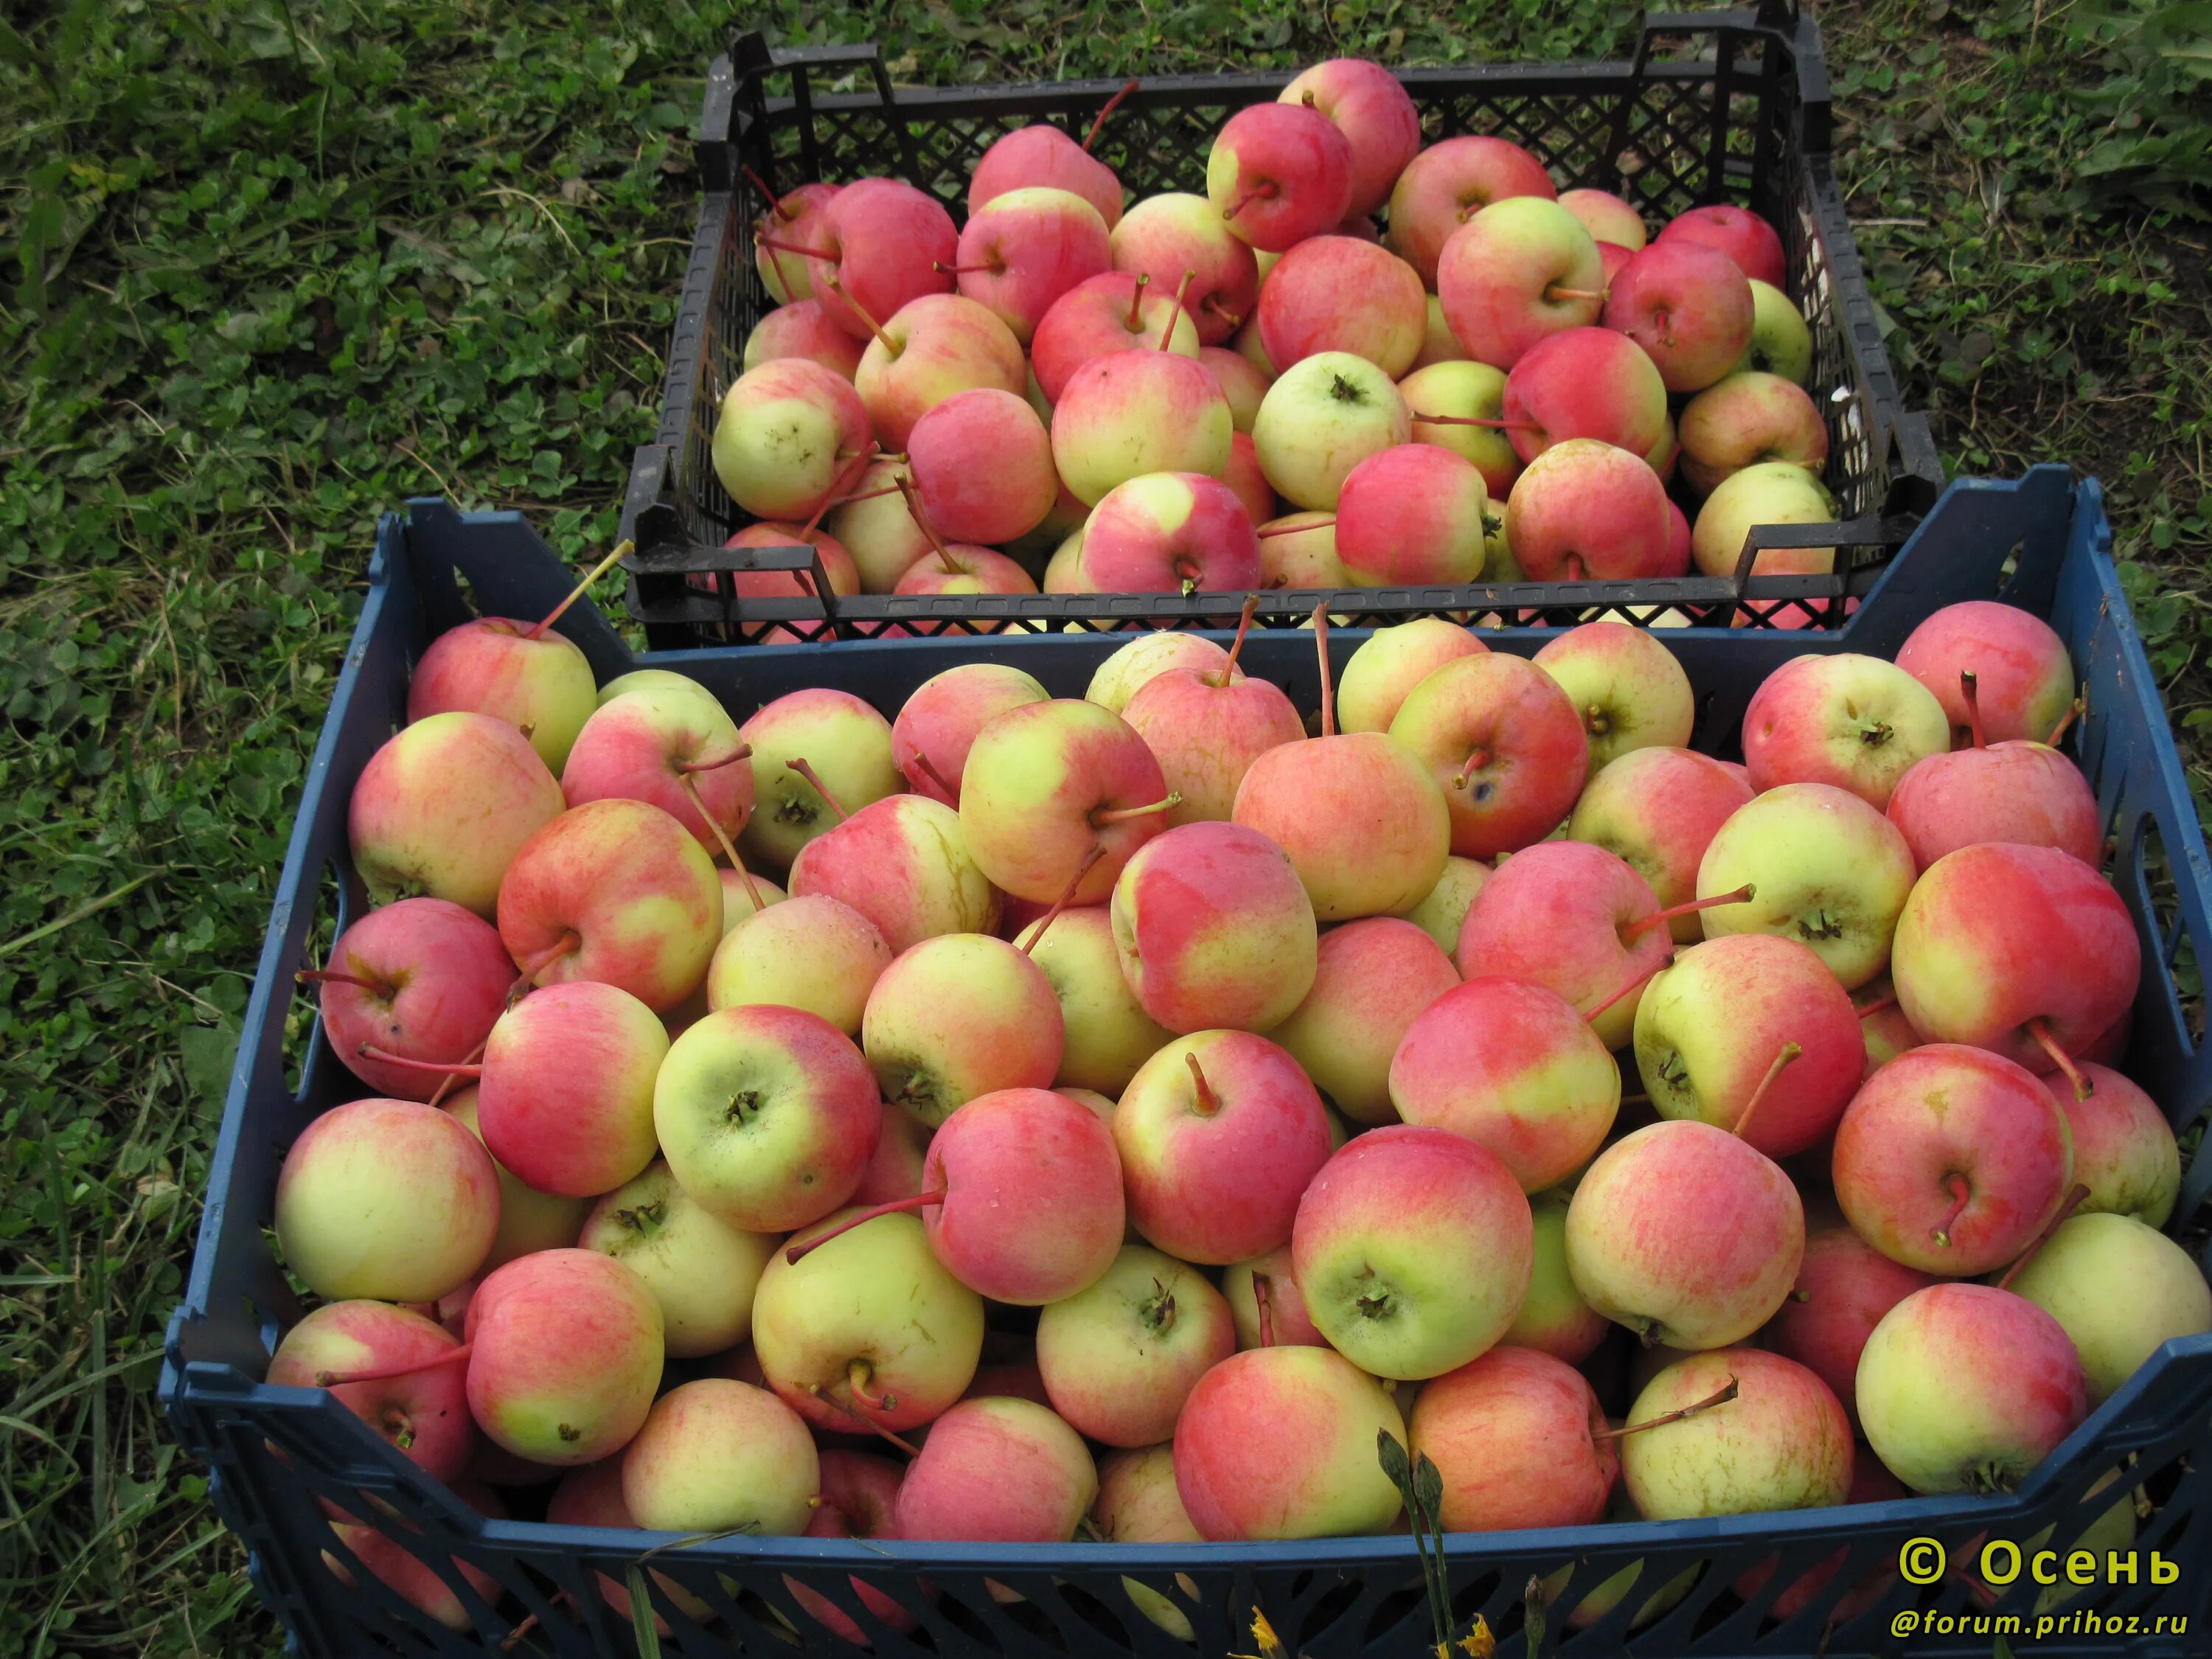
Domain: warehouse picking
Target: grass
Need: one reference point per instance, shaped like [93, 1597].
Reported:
[271, 265]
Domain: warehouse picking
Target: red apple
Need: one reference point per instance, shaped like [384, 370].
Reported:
[880, 244]
[1659, 808]
[1279, 1443]
[982, 466]
[1503, 744]
[1337, 294]
[1213, 929]
[1520, 269]
[1607, 217]
[786, 435]
[794, 218]
[1746, 418]
[1180, 245]
[1448, 184]
[1688, 306]
[1584, 511]
[1021, 251]
[1584, 383]
[937, 723]
[524, 674]
[2019, 792]
[676, 752]
[1742, 236]
[1576, 919]
[422, 979]
[1043, 155]
[933, 347]
[1412, 515]
[565, 1097]
[1279, 174]
[1372, 980]
[1520, 1440]
[1112, 313]
[1844, 1289]
[442, 809]
[415, 1397]
[801, 329]
[1370, 106]
[1169, 532]
[565, 1354]
[1047, 783]
[2023, 679]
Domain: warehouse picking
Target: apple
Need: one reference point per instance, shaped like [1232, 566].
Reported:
[1130, 413]
[1108, 1033]
[1659, 808]
[1823, 867]
[2023, 678]
[1465, 401]
[846, 744]
[529, 1220]
[1447, 185]
[859, 1499]
[1138, 1503]
[1391, 661]
[801, 328]
[1323, 417]
[1506, 747]
[982, 466]
[1584, 511]
[414, 1396]
[1780, 1442]
[812, 953]
[1685, 1235]
[958, 1016]
[716, 1456]
[1279, 174]
[1781, 343]
[423, 979]
[1631, 691]
[997, 1470]
[903, 863]
[786, 435]
[1520, 1440]
[1966, 1388]
[1607, 217]
[1339, 294]
[1519, 271]
[1041, 155]
[876, 529]
[1022, 249]
[964, 567]
[2120, 1290]
[1442, 911]
[1180, 245]
[1844, 1288]
[1745, 237]
[1586, 383]
[2124, 1149]
[1218, 1134]
[796, 218]
[881, 244]
[1115, 311]
[1370, 107]
[1554, 1317]
[937, 723]
[1119, 678]
[1951, 1159]
[1746, 418]
[1269, 1281]
[1047, 784]
[443, 807]
[1239, 381]
[565, 1097]
[1120, 1357]
[1412, 515]
[1279, 1443]
[926, 351]
[521, 672]
[1575, 920]
[1850, 720]
[2019, 792]
[1765, 493]
[844, 576]
[679, 753]
[1438, 343]
[1206, 728]
[1299, 551]
[1167, 532]
[1373, 978]
[1359, 814]
[1687, 305]
[413, 1580]
[700, 1270]
[565, 1354]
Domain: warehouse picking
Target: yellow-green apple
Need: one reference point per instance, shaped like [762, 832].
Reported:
[528, 1219]
[1844, 1288]
[958, 1016]
[1447, 185]
[1462, 397]
[679, 753]
[932, 349]
[1883, 1024]
[1213, 929]
[871, 1330]
[1512, 1067]
[1685, 1235]
[1108, 1033]
[1299, 551]
[522, 672]
[859, 1499]
[2120, 1290]
[965, 567]
[615, 891]
[1180, 245]
[801, 329]
[1115, 311]
[814, 952]
[1391, 661]
[847, 744]
[1577, 920]
[1519, 271]
[1630, 689]
[1443, 910]
[1138, 1503]
[1751, 1034]
[1339, 294]
[1412, 1248]
[876, 529]
[716, 1456]
[1121, 675]
[1412, 515]
[1966, 1388]
[1359, 814]
[1504, 746]
[1554, 1317]
[982, 467]
[1131, 413]
[566, 1351]
[1765, 493]
[443, 807]
[1063, 572]
[1951, 1159]
[794, 217]
[879, 244]
[1246, 342]
[1372, 979]
[424, 980]
[1041, 155]
[937, 723]
[1168, 532]
[1279, 1443]
[1064, 517]
[1520, 1440]
[1745, 418]
[1120, 1357]
[1584, 511]
[414, 1397]
[1586, 383]
[1745, 237]
[2025, 951]
[1268, 1306]
[1781, 343]
[997, 1470]
[2124, 1149]
[1778, 1440]
[427, 1589]
[1207, 728]
[1249, 480]
[565, 1097]
[2021, 792]
[1851, 720]
[1823, 868]
[1372, 109]
[1607, 217]
[1323, 417]
[896, 1169]
[767, 1116]
[1239, 381]
[2023, 678]
[653, 679]
[592, 1496]
[1687, 305]
[389, 1200]
[1219, 1133]
[1279, 174]
[1049, 783]
[1022, 249]
[902, 863]
[700, 1270]
[785, 432]
[1438, 343]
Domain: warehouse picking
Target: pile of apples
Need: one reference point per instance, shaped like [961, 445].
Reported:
[1119, 1111]
[1253, 388]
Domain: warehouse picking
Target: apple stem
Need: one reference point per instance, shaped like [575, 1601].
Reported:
[1212, 303]
[2074, 711]
[866, 495]
[1720, 1396]
[859, 1378]
[1742, 895]
[1208, 1104]
[340, 1379]
[1167, 334]
[1327, 690]
[1294, 529]
[1631, 985]
[1555, 292]
[1263, 1299]
[622, 552]
[773, 247]
[1636, 1100]
[929, 770]
[797, 1253]
[722, 835]
[370, 1051]
[1067, 897]
[1107, 109]
[1261, 193]
[1243, 625]
[875, 328]
[1969, 688]
[859, 461]
[1783, 1056]
[1136, 323]
[2073, 1203]
[904, 482]
[331, 977]
[2039, 1028]
[1867, 1010]
[1961, 1196]
[1575, 568]
[1477, 758]
[965, 270]
[568, 943]
[863, 1419]
[744, 752]
[1488, 423]
[798, 765]
[1106, 815]
[774, 200]
[453, 1078]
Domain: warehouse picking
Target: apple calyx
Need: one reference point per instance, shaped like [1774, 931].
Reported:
[644, 1219]
[2039, 1028]
[1742, 895]
[1156, 1312]
[622, 551]
[1208, 1104]
[1970, 691]
[1595, 720]
[797, 1253]
[332, 976]
[1720, 1396]
[797, 763]
[1112, 104]
[1783, 1056]
[2074, 1198]
[386, 1373]
[1875, 733]
[1822, 926]
[1962, 1194]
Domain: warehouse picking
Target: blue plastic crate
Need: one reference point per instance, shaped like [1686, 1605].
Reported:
[2042, 542]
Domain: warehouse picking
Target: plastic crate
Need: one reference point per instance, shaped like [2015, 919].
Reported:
[2041, 542]
[1744, 121]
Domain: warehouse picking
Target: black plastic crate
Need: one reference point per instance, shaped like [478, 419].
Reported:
[2041, 542]
[1743, 119]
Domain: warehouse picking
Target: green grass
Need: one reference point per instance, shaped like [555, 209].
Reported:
[270, 266]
